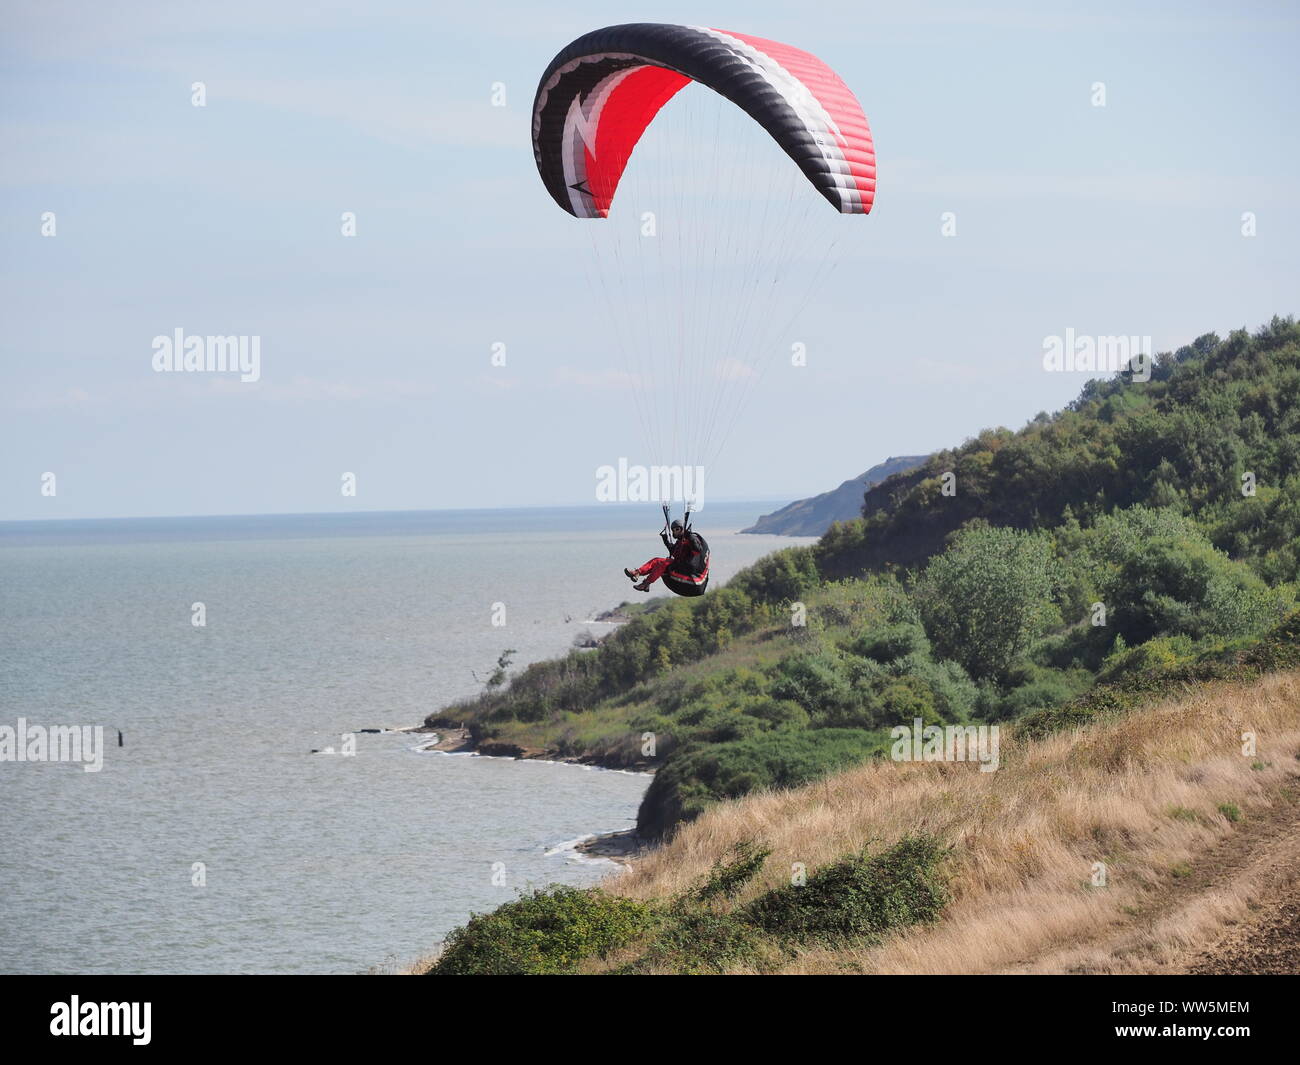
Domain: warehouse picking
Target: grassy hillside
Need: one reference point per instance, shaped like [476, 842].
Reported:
[1103, 849]
[1106, 544]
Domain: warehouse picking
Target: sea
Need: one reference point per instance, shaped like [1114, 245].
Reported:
[244, 818]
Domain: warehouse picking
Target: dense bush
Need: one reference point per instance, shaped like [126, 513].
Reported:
[818, 681]
[548, 931]
[1041, 688]
[892, 642]
[696, 776]
[1162, 653]
[1240, 660]
[1158, 575]
[780, 577]
[860, 897]
[695, 941]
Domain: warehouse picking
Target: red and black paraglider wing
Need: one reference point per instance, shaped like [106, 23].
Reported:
[600, 93]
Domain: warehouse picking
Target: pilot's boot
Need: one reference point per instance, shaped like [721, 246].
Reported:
[632, 574]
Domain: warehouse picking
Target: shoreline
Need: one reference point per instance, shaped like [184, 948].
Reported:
[460, 741]
[623, 847]
[449, 741]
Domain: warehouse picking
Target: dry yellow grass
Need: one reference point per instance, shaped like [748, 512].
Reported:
[1140, 793]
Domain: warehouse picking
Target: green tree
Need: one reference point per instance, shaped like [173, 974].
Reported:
[1160, 576]
[988, 597]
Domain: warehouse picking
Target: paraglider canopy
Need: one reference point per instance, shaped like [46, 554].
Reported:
[600, 93]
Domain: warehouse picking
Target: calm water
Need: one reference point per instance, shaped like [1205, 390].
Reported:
[316, 626]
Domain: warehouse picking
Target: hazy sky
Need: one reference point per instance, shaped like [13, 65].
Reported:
[225, 219]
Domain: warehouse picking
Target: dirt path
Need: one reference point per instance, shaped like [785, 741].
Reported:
[1267, 940]
[1238, 912]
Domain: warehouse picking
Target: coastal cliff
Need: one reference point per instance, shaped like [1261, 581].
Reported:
[813, 516]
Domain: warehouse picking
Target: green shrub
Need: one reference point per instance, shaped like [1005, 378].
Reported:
[733, 872]
[779, 577]
[878, 599]
[857, 899]
[1037, 689]
[776, 713]
[692, 941]
[1081, 646]
[697, 775]
[892, 642]
[1164, 652]
[816, 680]
[1160, 576]
[894, 700]
[860, 897]
[548, 931]
[953, 693]
[1277, 650]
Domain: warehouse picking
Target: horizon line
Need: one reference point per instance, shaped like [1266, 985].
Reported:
[402, 510]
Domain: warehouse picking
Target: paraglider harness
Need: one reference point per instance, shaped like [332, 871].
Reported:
[689, 572]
